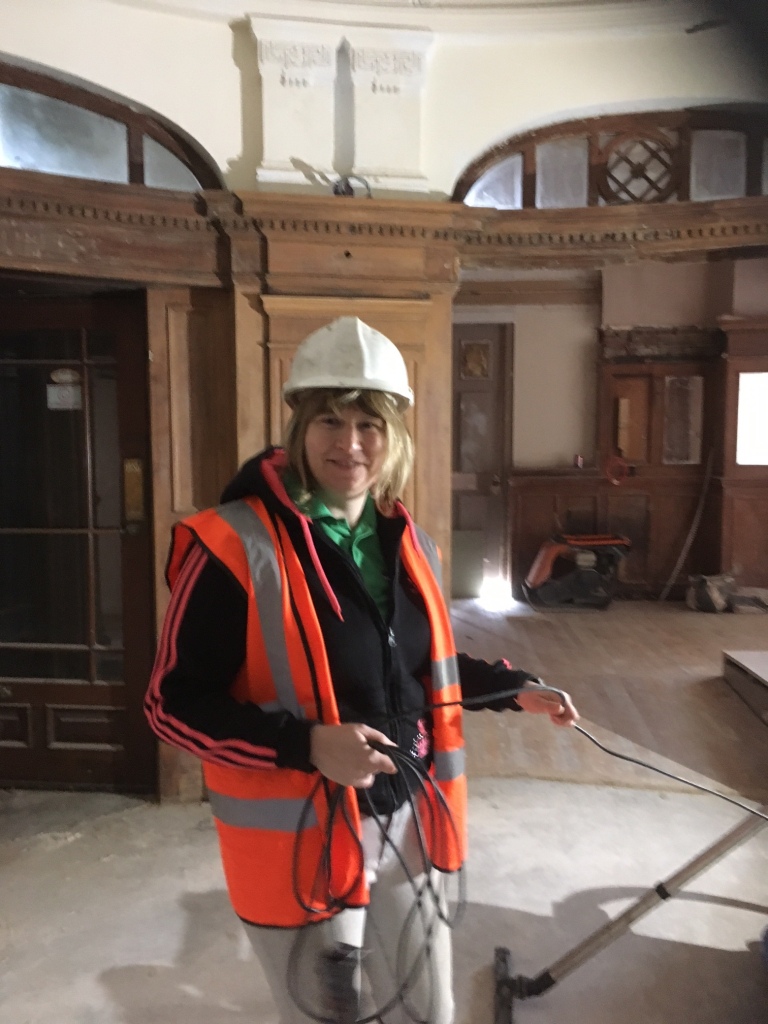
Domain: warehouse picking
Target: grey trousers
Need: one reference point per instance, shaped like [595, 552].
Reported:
[400, 936]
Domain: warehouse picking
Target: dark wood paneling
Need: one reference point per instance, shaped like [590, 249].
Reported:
[744, 488]
[745, 527]
[653, 512]
[213, 406]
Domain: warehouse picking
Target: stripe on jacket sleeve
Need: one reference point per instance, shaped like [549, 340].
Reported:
[432, 554]
[445, 673]
[449, 764]
[170, 729]
[268, 595]
[273, 815]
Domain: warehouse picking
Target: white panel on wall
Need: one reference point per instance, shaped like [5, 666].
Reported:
[297, 61]
[389, 70]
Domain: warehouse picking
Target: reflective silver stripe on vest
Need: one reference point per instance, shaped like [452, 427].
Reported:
[449, 764]
[445, 673]
[267, 589]
[429, 548]
[272, 815]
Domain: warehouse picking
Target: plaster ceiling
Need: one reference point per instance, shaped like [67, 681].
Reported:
[467, 16]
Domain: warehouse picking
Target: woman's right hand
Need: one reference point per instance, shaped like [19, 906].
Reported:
[342, 754]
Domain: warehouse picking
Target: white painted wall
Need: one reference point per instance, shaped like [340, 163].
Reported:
[649, 294]
[478, 95]
[181, 67]
[202, 73]
[750, 288]
[555, 380]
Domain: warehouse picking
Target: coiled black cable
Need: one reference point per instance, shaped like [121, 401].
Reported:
[427, 897]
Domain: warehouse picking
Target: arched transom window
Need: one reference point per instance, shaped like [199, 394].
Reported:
[640, 158]
[58, 127]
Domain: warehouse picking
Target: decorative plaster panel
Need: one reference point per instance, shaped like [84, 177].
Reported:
[297, 62]
[388, 73]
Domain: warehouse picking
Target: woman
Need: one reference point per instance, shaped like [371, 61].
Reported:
[307, 658]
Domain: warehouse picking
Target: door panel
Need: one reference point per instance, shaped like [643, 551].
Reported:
[76, 595]
[482, 404]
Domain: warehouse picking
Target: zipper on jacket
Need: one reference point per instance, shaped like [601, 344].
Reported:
[392, 703]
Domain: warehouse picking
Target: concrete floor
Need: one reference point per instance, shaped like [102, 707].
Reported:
[113, 910]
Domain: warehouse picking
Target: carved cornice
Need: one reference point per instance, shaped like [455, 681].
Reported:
[47, 209]
[679, 344]
[599, 236]
[78, 228]
[528, 238]
[26, 194]
[171, 235]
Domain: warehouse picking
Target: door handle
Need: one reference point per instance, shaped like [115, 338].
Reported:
[495, 485]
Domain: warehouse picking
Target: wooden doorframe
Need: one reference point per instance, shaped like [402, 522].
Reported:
[509, 445]
[71, 305]
[504, 334]
[319, 245]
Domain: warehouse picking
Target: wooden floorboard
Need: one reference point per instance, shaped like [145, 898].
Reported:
[647, 679]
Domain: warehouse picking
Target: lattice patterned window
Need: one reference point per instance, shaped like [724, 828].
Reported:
[637, 167]
[640, 158]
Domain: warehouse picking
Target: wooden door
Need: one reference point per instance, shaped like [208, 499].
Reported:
[482, 445]
[76, 594]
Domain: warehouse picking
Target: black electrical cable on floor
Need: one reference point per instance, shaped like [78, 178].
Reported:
[503, 694]
[671, 775]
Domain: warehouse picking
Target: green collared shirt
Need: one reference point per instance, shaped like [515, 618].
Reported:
[360, 542]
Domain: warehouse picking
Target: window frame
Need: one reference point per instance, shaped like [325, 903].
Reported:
[751, 120]
[138, 123]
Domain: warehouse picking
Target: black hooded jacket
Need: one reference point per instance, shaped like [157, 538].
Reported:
[377, 666]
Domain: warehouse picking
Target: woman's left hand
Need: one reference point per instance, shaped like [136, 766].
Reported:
[542, 702]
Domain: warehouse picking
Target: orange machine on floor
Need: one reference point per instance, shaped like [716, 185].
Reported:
[576, 569]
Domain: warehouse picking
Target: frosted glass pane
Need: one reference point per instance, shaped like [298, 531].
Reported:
[164, 170]
[718, 165]
[752, 421]
[683, 420]
[38, 133]
[562, 174]
[501, 186]
[476, 453]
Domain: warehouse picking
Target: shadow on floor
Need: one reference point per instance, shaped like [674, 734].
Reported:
[211, 982]
[639, 979]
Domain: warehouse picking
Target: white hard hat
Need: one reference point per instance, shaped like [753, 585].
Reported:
[349, 354]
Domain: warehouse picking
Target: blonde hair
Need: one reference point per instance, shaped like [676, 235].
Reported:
[398, 460]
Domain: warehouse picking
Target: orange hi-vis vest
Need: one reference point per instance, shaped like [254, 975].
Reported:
[273, 822]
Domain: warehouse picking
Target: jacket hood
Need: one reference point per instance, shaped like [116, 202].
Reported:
[261, 477]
